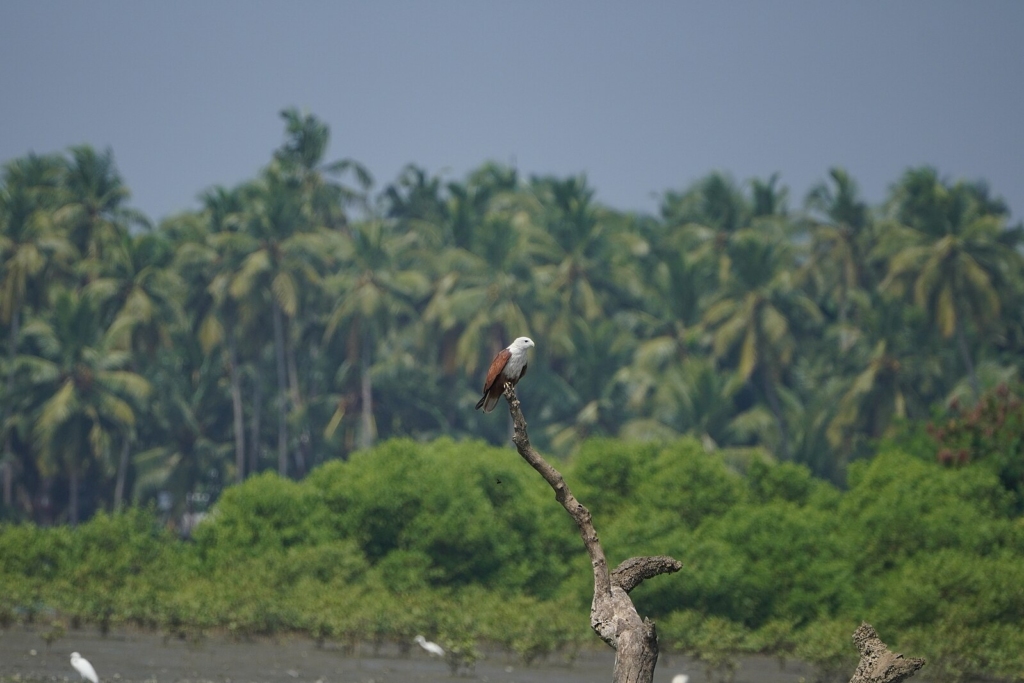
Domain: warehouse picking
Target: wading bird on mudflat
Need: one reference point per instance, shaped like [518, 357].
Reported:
[432, 648]
[83, 667]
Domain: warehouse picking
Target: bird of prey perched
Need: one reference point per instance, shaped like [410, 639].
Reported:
[508, 366]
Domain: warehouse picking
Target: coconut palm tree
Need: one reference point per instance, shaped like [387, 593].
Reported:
[949, 248]
[661, 378]
[376, 289]
[481, 293]
[212, 257]
[482, 283]
[138, 293]
[897, 372]
[415, 201]
[189, 449]
[31, 252]
[704, 216]
[489, 188]
[140, 296]
[840, 245]
[283, 265]
[324, 197]
[84, 397]
[577, 252]
[209, 248]
[289, 212]
[584, 274]
[754, 323]
[587, 403]
[93, 212]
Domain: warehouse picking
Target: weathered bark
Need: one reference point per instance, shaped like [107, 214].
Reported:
[877, 663]
[612, 614]
[632, 572]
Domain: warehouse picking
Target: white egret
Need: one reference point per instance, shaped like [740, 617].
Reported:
[432, 648]
[83, 667]
[680, 678]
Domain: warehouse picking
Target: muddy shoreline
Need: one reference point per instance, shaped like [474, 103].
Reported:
[147, 657]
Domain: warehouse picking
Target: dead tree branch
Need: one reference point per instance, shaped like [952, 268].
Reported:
[634, 571]
[877, 663]
[612, 614]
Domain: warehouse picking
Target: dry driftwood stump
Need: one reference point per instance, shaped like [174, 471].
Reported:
[877, 663]
[612, 614]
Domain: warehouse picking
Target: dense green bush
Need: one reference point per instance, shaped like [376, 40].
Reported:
[899, 507]
[265, 514]
[466, 513]
[462, 541]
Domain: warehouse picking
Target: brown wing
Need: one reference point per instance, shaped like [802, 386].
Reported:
[497, 365]
[492, 389]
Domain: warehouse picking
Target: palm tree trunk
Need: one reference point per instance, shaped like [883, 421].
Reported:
[313, 388]
[293, 368]
[122, 473]
[73, 494]
[844, 338]
[8, 473]
[236, 406]
[773, 403]
[312, 394]
[961, 342]
[7, 456]
[366, 433]
[282, 393]
[296, 397]
[254, 426]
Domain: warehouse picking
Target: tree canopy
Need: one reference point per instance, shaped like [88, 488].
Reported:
[307, 313]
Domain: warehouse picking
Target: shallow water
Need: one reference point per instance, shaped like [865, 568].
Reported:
[129, 657]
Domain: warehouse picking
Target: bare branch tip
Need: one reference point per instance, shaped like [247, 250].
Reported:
[634, 571]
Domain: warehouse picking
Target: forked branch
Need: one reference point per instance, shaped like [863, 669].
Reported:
[632, 572]
[878, 664]
[612, 613]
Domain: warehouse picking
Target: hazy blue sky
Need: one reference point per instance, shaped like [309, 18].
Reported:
[641, 96]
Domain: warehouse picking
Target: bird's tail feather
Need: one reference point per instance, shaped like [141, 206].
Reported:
[490, 400]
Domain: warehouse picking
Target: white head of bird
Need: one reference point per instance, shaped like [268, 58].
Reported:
[83, 667]
[516, 364]
[521, 344]
[432, 648]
